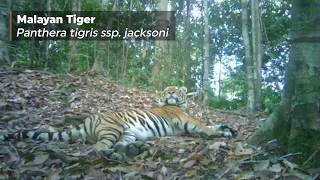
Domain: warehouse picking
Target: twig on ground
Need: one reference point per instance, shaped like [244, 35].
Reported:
[312, 156]
[290, 155]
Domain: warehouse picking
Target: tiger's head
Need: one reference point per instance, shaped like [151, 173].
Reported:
[175, 96]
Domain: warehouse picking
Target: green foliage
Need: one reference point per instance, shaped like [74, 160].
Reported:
[270, 99]
[224, 103]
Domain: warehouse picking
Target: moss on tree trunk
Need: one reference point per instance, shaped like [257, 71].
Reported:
[296, 122]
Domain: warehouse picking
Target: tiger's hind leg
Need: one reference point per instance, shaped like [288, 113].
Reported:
[137, 147]
[104, 130]
[103, 145]
[127, 139]
[130, 146]
[106, 149]
[107, 137]
[133, 149]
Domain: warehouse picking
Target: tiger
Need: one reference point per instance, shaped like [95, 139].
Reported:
[173, 95]
[110, 129]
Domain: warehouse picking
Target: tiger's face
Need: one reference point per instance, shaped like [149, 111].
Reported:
[172, 95]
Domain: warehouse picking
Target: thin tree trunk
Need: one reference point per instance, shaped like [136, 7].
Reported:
[187, 71]
[219, 79]
[4, 53]
[125, 49]
[171, 47]
[108, 60]
[161, 51]
[256, 53]
[73, 53]
[206, 46]
[248, 56]
[98, 61]
[125, 53]
[36, 47]
[98, 65]
[36, 54]
[87, 59]
[47, 43]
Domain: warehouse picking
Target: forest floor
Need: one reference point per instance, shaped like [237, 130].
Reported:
[36, 99]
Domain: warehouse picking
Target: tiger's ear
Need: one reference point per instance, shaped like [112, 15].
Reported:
[183, 89]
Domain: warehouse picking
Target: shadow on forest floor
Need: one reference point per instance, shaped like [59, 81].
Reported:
[36, 99]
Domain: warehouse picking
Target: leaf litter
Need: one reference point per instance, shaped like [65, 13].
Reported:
[31, 99]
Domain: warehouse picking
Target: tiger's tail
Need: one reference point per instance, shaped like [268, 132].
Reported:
[63, 135]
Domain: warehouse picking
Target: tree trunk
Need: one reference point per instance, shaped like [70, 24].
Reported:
[171, 47]
[35, 55]
[248, 55]
[206, 46]
[36, 51]
[189, 83]
[125, 54]
[253, 53]
[125, 50]
[98, 65]
[4, 53]
[256, 53]
[219, 78]
[73, 52]
[296, 122]
[47, 42]
[161, 52]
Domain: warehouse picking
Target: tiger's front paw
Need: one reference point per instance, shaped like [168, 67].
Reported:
[109, 154]
[228, 131]
[227, 134]
[132, 149]
[224, 130]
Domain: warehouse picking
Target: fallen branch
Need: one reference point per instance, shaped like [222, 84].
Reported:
[290, 155]
[312, 156]
[232, 113]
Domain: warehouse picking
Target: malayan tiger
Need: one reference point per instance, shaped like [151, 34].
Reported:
[105, 130]
[172, 95]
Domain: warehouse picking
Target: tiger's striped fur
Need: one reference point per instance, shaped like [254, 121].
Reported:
[172, 95]
[105, 130]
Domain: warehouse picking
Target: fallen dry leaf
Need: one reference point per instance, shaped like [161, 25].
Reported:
[190, 163]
